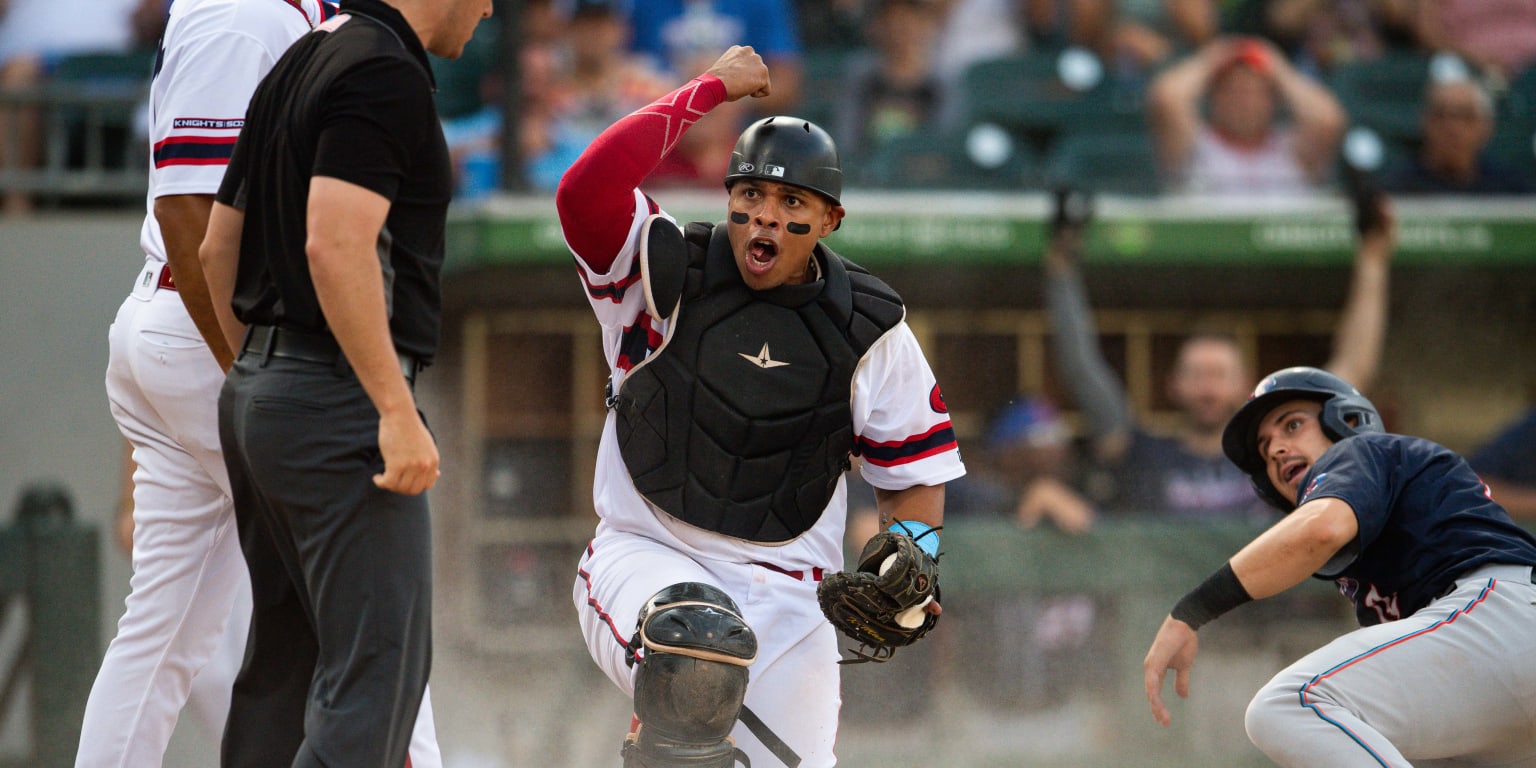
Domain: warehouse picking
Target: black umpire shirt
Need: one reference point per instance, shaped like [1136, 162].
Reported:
[352, 101]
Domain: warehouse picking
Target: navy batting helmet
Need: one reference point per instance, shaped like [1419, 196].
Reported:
[789, 150]
[1345, 412]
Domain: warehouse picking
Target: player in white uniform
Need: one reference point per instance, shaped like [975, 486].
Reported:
[734, 586]
[190, 585]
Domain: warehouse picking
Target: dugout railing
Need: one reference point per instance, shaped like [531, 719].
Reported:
[87, 149]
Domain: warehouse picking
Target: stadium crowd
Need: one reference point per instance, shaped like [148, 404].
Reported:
[1271, 97]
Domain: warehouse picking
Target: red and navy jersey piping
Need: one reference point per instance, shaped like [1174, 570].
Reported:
[194, 150]
[613, 291]
[637, 342]
[938, 439]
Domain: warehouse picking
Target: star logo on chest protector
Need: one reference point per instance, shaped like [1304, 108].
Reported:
[762, 359]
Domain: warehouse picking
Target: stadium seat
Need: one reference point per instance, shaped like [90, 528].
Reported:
[130, 70]
[1519, 97]
[1386, 94]
[459, 80]
[944, 161]
[1043, 94]
[822, 84]
[97, 97]
[1113, 162]
[1514, 145]
[111, 77]
[1514, 138]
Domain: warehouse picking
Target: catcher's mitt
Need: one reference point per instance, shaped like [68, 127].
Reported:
[881, 604]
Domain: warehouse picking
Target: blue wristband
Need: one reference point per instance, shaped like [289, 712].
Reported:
[926, 536]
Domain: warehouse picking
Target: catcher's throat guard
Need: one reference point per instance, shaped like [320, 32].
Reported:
[881, 604]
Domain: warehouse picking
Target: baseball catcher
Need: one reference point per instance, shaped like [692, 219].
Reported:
[883, 604]
[748, 364]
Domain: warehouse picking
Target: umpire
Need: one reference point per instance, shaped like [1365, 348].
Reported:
[327, 237]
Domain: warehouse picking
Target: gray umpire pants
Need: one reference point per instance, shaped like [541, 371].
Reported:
[340, 643]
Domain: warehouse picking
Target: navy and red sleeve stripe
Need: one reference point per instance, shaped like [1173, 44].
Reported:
[613, 291]
[636, 342]
[893, 453]
[194, 150]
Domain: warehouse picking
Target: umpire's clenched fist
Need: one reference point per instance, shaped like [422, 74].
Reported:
[410, 453]
[742, 71]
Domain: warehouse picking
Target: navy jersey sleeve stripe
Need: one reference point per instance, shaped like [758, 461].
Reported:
[897, 452]
[613, 291]
[194, 150]
[637, 342]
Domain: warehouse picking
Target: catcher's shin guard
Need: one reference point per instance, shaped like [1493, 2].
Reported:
[692, 679]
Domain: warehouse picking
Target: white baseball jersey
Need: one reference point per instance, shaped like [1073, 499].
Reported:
[1218, 166]
[218, 50]
[189, 606]
[901, 426]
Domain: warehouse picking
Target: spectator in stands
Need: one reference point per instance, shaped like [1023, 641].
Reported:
[1025, 470]
[1458, 121]
[1030, 448]
[1139, 35]
[1498, 36]
[891, 91]
[34, 36]
[831, 25]
[680, 34]
[976, 30]
[1185, 475]
[1132, 37]
[1242, 148]
[1049, 24]
[1319, 35]
[538, 54]
[1507, 463]
[596, 80]
[469, 101]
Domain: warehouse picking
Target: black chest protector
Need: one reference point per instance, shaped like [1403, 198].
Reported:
[741, 422]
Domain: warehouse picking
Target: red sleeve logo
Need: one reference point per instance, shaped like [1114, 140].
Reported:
[936, 400]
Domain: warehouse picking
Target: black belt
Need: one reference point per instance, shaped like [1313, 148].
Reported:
[271, 341]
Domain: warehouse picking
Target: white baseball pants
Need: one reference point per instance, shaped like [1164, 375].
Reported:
[188, 609]
[794, 684]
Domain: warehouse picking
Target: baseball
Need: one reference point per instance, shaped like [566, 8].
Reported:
[913, 617]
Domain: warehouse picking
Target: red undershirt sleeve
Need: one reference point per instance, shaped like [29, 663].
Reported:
[595, 198]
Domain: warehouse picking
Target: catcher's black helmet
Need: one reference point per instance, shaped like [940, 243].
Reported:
[1346, 412]
[790, 150]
